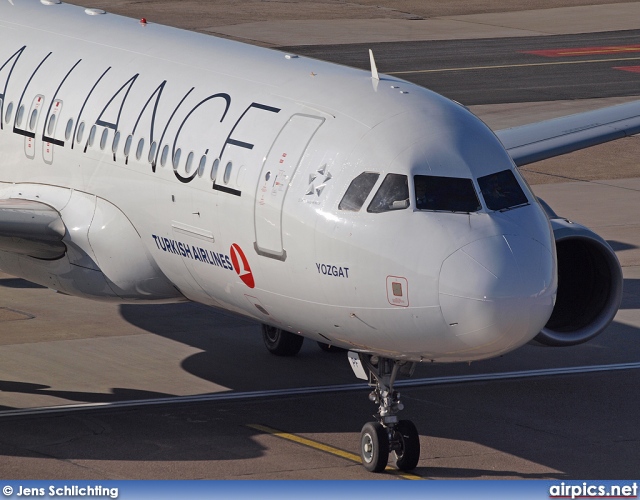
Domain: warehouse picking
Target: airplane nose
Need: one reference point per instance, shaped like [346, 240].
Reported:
[497, 293]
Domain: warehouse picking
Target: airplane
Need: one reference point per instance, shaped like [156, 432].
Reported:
[142, 163]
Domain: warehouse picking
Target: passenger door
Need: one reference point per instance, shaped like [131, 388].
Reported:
[277, 171]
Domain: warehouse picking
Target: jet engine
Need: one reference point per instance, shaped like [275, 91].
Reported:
[589, 285]
[77, 243]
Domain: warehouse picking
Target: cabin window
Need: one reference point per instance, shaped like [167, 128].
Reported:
[8, 113]
[227, 173]
[152, 152]
[80, 132]
[92, 136]
[33, 120]
[19, 116]
[116, 141]
[189, 164]
[393, 194]
[127, 145]
[139, 149]
[52, 125]
[445, 194]
[358, 191]
[164, 156]
[501, 191]
[68, 130]
[214, 169]
[176, 159]
[103, 138]
[202, 165]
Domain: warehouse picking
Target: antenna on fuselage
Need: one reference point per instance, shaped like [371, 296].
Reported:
[374, 69]
[375, 79]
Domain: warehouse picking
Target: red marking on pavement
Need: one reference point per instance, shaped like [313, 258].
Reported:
[585, 51]
[241, 265]
[630, 69]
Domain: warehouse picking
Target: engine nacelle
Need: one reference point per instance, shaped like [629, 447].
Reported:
[589, 285]
[100, 256]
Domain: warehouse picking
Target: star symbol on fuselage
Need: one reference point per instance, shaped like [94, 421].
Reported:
[318, 181]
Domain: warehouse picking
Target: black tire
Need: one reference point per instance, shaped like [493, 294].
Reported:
[330, 348]
[408, 455]
[374, 447]
[279, 342]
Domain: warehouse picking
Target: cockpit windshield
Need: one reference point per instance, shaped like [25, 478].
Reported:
[393, 194]
[501, 191]
[358, 191]
[445, 194]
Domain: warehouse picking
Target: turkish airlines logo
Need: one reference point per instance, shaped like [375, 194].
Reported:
[241, 265]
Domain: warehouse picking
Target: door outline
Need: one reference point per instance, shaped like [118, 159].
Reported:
[275, 202]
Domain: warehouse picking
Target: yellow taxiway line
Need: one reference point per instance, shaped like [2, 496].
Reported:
[326, 448]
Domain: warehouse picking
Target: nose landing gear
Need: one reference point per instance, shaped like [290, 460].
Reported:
[388, 434]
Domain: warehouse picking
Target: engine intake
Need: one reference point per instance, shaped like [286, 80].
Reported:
[589, 285]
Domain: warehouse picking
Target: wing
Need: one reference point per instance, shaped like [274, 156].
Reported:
[541, 140]
[31, 228]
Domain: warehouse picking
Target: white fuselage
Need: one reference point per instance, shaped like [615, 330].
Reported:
[264, 236]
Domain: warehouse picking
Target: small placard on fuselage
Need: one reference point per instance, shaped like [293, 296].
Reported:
[397, 291]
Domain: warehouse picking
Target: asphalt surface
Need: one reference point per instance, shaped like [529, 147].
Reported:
[496, 71]
[203, 15]
[58, 350]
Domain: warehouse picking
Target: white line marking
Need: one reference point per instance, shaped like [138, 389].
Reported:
[508, 66]
[230, 396]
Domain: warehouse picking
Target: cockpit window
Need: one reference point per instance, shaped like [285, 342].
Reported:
[358, 191]
[501, 191]
[446, 194]
[393, 194]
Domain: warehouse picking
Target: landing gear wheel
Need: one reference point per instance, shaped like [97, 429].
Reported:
[330, 348]
[374, 447]
[377, 439]
[280, 342]
[409, 453]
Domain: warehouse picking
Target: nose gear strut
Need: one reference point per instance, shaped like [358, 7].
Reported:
[388, 434]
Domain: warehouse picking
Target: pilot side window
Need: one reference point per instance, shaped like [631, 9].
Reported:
[445, 194]
[358, 191]
[502, 191]
[393, 194]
